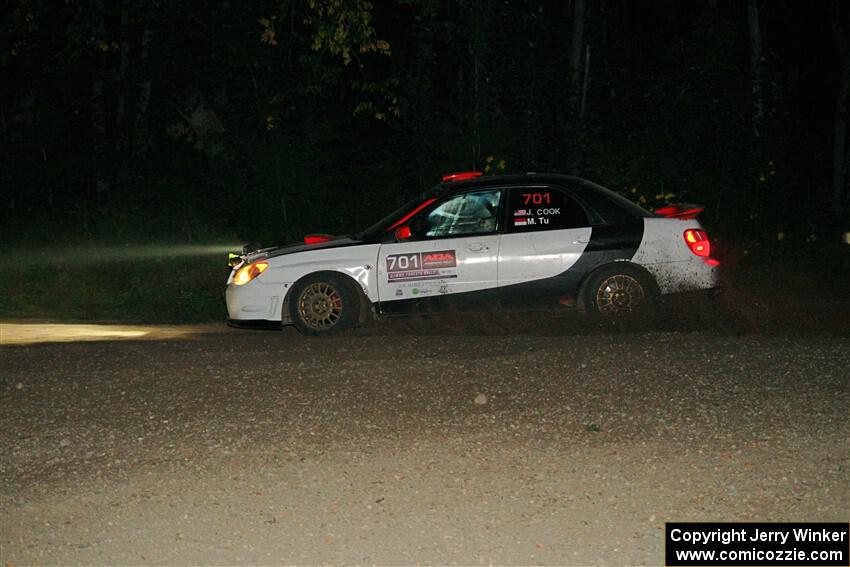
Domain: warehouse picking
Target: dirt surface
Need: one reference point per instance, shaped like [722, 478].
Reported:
[212, 445]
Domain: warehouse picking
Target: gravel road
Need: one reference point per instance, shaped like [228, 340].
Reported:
[210, 445]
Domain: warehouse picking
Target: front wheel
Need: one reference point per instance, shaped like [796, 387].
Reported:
[619, 294]
[324, 304]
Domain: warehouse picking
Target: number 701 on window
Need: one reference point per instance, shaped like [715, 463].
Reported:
[536, 198]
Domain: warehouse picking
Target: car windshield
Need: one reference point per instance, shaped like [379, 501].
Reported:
[380, 227]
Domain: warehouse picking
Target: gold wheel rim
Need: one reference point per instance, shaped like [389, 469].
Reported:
[320, 306]
[619, 294]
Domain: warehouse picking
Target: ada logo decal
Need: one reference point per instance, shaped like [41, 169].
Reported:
[418, 266]
[442, 259]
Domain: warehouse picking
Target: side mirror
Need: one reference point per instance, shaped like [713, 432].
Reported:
[403, 233]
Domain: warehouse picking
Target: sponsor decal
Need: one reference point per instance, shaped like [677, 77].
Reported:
[418, 266]
[419, 288]
[444, 289]
[399, 292]
[442, 259]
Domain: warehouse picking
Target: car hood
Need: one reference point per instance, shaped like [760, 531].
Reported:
[337, 242]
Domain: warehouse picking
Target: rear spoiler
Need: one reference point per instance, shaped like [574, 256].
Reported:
[683, 211]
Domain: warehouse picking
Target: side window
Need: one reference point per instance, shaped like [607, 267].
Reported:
[463, 214]
[543, 208]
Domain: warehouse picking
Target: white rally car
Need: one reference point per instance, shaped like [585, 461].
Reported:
[528, 241]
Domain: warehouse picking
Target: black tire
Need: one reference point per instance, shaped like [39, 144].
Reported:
[324, 304]
[620, 295]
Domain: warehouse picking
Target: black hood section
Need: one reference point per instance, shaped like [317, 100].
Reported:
[339, 242]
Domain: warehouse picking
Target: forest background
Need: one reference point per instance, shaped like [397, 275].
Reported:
[141, 139]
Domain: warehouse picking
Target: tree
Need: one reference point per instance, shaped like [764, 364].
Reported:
[578, 58]
[841, 149]
[756, 67]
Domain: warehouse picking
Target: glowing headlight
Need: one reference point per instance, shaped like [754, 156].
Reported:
[249, 272]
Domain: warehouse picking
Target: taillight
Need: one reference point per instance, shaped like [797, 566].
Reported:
[697, 241]
[249, 272]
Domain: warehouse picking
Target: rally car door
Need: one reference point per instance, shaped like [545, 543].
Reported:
[452, 253]
[547, 232]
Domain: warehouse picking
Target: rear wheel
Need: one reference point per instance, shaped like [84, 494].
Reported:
[618, 294]
[324, 304]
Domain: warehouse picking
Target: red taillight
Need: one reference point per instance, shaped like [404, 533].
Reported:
[317, 238]
[460, 176]
[697, 241]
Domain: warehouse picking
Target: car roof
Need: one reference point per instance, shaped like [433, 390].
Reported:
[588, 190]
[512, 179]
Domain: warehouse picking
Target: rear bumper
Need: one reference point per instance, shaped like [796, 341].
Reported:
[695, 274]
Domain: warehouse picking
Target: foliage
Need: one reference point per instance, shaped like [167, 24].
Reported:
[343, 28]
[183, 121]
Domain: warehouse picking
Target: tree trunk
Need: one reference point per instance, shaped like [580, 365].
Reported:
[756, 75]
[475, 47]
[98, 108]
[840, 148]
[141, 128]
[583, 105]
[577, 53]
[119, 80]
[97, 120]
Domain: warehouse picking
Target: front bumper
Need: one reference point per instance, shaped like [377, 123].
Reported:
[253, 302]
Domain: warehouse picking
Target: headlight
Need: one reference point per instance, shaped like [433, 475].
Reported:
[249, 272]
